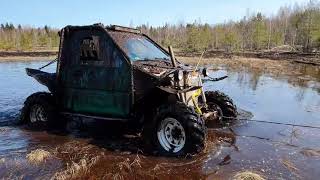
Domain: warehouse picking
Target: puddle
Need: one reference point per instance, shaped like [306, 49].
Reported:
[270, 150]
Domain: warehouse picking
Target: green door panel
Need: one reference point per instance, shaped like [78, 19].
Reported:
[98, 102]
[99, 90]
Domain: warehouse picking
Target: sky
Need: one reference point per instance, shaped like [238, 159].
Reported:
[59, 13]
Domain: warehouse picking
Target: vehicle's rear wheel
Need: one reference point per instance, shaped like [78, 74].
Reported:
[175, 131]
[39, 110]
[223, 104]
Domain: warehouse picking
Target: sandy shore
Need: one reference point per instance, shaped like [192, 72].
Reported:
[6, 56]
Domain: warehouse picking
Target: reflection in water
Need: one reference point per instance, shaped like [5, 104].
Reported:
[268, 91]
[283, 94]
[299, 75]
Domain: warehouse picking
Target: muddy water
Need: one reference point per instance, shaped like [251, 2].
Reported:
[288, 95]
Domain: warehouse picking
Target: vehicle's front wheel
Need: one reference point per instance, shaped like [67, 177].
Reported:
[223, 104]
[39, 110]
[176, 130]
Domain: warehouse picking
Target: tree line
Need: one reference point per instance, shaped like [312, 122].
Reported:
[24, 38]
[296, 26]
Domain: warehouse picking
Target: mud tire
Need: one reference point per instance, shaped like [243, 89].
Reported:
[193, 125]
[224, 102]
[46, 102]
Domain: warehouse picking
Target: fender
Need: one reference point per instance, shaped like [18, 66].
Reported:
[44, 78]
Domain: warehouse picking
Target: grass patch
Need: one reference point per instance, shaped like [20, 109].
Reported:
[2, 160]
[76, 170]
[310, 153]
[248, 175]
[38, 156]
[290, 166]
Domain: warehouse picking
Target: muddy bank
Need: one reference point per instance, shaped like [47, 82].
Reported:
[298, 57]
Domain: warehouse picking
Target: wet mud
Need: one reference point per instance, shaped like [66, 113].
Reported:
[86, 149]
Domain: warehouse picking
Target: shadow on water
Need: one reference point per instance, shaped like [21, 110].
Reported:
[288, 94]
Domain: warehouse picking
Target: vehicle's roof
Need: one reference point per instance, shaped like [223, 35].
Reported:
[113, 28]
[119, 34]
[123, 29]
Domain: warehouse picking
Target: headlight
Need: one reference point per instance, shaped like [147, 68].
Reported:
[178, 75]
[187, 78]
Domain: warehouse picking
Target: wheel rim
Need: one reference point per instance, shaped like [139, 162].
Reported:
[171, 135]
[37, 114]
[218, 110]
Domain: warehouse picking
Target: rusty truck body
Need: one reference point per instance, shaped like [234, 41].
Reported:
[120, 74]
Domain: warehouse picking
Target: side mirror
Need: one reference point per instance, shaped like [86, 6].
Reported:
[204, 72]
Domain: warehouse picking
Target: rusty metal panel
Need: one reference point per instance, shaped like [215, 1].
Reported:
[121, 38]
[124, 29]
[95, 77]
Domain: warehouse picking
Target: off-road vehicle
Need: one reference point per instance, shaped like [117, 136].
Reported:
[116, 73]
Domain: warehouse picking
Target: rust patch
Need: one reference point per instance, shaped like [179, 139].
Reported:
[121, 38]
[153, 67]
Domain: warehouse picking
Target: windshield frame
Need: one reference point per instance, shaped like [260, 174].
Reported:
[158, 46]
[112, 34]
